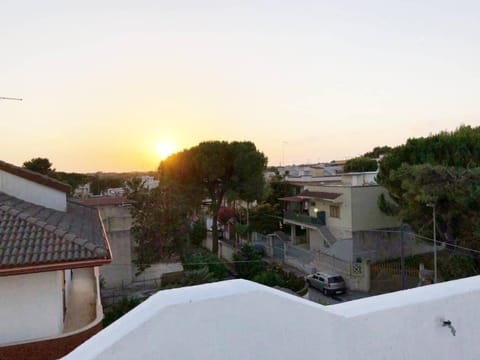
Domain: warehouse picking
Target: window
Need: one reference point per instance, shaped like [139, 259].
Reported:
[334, 211]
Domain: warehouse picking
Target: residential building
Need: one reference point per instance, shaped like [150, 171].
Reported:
[115, 214]
[326, 216]
[149, 182]
[50, 252]
[238, 319]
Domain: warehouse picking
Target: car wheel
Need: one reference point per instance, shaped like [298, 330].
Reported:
[308, 283]
[325, 292]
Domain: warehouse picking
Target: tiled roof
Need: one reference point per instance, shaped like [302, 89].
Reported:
[319, 195]
[34, 176]
[33, 236]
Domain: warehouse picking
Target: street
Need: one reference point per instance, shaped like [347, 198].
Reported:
[318, 297]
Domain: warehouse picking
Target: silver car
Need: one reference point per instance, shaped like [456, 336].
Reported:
[327, 283]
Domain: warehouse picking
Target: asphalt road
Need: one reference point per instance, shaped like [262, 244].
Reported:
[318, 297]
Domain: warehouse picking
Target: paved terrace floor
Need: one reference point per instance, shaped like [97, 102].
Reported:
[81, 309]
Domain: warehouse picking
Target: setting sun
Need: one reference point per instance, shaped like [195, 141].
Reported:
[164, 150]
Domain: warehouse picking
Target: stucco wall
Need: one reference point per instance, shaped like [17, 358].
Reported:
[366, 214]
[32, 192]
[342, 223]
[214, 319]
[117, 221]
[31, 306]
[50, 349]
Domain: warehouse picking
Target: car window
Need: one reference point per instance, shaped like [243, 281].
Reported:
[321, 278]
[336, 279]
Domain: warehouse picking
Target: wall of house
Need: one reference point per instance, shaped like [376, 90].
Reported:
[340, 226]
[68, 282]
[365, 212]
[118, 221]
[32, 192]
[31, 306]
[381, 245]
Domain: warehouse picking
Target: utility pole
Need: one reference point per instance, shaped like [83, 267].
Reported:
[402, 257]
[432, 205]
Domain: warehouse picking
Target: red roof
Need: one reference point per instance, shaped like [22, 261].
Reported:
[104, 201]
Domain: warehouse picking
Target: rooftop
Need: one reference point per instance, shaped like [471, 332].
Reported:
[239, 319]
[35, 238]
[34, 176]
[104, 201]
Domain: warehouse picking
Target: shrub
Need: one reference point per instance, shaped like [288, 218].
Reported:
[198, 261]
[119, 309]
[199, 276]
[198, 232]
[248, 262]
[269, 278]
[457, 267]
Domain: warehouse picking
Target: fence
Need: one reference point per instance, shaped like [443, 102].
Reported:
[393, 269]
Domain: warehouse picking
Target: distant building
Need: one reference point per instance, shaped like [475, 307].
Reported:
[149, 182]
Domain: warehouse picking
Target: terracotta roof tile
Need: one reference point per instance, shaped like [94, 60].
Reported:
[31, 235]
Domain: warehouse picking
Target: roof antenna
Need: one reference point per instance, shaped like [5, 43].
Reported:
[10, 98]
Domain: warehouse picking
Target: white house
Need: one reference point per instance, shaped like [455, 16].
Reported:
[50, 251]
[238, 319]
[327, 216]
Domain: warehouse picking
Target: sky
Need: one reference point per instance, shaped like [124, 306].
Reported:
[104, 83]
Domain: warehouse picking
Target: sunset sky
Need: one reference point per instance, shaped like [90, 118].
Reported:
[106, 83]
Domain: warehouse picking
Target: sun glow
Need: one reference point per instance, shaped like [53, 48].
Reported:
[164, 150]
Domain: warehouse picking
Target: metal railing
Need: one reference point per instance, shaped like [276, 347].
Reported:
[304, 219]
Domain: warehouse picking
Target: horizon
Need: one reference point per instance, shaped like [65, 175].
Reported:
[113, 87]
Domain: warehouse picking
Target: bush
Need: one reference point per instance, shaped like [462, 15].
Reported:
[248, 262]
[269, 278]
[293, 282]
[276, 276]
[197, 261]
[457, 267]
[119, 309]
[199, 276]
[198, 232]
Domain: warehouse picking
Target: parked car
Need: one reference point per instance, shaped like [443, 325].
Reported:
[327, 283]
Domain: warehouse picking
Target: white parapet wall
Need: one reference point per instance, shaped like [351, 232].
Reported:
[239, 319]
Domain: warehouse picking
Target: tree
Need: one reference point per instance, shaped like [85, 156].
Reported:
[39, 165]
[278, 188]
[266, 218]
[360, 164]
[100, 184]
[378, 151]
[161, 223]
[443, 169]
[213, 168]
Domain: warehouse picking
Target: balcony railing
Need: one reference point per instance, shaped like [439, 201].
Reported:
[305, 219]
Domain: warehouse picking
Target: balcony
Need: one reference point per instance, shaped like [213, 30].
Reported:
[304, 219]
